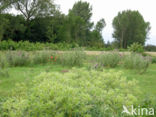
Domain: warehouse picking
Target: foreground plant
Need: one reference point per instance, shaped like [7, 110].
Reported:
[136, 47]
[77, 93]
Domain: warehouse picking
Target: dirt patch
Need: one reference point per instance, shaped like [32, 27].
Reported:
[64, 71]
[151, 53]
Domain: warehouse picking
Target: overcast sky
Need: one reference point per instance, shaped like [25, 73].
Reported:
[108, 9]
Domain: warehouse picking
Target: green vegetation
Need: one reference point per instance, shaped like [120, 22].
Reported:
[136, 47]
[76, 93]
[153, 59]
[25, 90]
[151, 48]
[22, 58]
[130, 27]
[44, 23]
[37, 81]
[108, 60]
[137, 62]
[29, 46]
[73, 58]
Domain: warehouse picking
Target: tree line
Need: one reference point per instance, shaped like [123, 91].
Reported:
[42, 21]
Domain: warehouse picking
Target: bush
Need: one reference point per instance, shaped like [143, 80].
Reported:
[28, 46]
[136, 47]
[78, 93]
[136, 61]
[153, 59]
[72, 58]
[109, 59]
[8, 45]
[151, 48]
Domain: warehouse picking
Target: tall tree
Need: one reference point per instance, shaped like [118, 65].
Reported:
[34, 8]
[96, 38]
[3, 23]
[129, 27]
[81, 25]
[4, 4]
[82, 9]
[100, 25]
[14, 27]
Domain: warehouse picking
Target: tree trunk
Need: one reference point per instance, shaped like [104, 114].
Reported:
[121, 41]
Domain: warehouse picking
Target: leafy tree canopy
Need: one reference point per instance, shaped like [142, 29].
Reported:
[129, 27]
[35, 8]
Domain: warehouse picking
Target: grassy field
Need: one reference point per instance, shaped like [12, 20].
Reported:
[147, 80]
[24, 75]
[109, 84]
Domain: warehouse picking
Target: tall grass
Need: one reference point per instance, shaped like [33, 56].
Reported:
[108, 59]
[23, 58]
[72, 58]
[17, 58]
[136, 61]
[3, 61]
[42, 57]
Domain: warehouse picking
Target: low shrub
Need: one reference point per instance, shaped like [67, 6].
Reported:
[8, 45]
[29, 46]
[77, 93]
[109, 59]
[153, 59]
[136, 47]
[136, 61]
[72, 58]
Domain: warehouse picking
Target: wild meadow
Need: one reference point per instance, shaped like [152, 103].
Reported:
[73, 83]
[55, 63]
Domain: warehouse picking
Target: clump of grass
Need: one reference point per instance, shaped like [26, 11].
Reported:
[4, 73]
[17, 58]
[136, 61]
[3, 62]
[108, 59]
[72, 58]
[23, 58]
[42, 57]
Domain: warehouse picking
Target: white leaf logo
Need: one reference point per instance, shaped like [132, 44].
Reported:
[125, 110]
